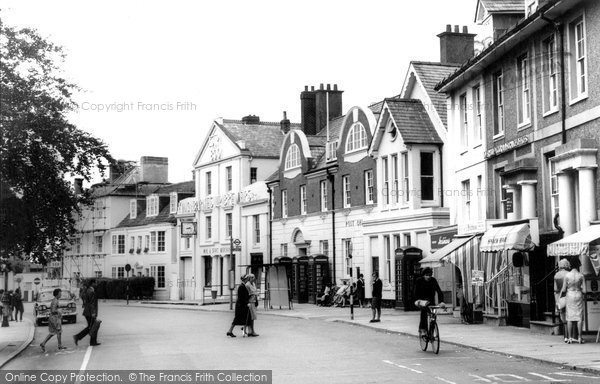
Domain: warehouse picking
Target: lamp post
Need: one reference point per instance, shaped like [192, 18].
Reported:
[237, 243]
[5, 298]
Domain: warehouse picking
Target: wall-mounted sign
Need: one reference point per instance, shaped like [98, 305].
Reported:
[508, 146]
[188, 228]
[477, 278]
[509, 202]
[441, 239]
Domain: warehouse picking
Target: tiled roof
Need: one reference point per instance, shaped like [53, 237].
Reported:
[114, 189]
[274, 176]
[430, 75]
[500, 6]
[183, 187]
[261, 140]
[413, 121]
[163, 217]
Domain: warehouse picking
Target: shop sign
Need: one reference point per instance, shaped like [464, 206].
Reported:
[508, 146]
[477, 278]
[441, 239]
[354, 223]
[216, 251]
[509, 202]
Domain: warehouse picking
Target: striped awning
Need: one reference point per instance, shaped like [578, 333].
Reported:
[516, 237]
[436, 259]
[577, 244]
[467, 258]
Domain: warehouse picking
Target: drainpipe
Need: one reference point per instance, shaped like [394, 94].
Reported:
[270, 221]
[560, 28]
[331, 179]
[441, 177]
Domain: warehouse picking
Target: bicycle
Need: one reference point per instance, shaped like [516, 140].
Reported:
[433, 332]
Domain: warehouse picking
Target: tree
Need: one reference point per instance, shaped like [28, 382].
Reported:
[39, 148]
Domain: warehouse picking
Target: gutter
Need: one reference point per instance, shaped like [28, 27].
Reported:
[331, 179]
[270, 220]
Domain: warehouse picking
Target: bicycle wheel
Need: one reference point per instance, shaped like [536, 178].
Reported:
[423, 341]
[435, 338]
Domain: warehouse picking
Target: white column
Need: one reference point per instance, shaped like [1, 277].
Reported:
[587, 197]
[226, 263]
[382, 263]
[528, 200]
[566, 203]
[214, 276]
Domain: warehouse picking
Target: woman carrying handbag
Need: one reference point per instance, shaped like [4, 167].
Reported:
[561, 301]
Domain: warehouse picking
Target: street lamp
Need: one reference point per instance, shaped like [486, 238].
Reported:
[5, 298]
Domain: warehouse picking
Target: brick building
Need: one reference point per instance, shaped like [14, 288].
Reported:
[540, 123]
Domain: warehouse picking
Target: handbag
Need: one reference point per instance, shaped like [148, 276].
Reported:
[562, 302]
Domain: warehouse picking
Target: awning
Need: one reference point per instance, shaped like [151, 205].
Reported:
[435, 259]
[577, 244]
[517, 237]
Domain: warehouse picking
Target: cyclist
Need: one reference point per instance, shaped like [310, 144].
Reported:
[426, 287]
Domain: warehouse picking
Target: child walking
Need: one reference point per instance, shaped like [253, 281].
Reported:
[54, 322]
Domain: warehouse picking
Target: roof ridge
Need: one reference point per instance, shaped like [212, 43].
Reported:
[259, 123]
[437, 63]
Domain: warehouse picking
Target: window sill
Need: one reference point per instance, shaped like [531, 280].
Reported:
[463, 151]
[578, 99]
[499, 136]
[524, 125]
[550, 112]
[477, 146]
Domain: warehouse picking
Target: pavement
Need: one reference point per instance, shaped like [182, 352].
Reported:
[506, 340]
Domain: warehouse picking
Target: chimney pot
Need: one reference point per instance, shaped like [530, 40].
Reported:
[456, 29]
[335, 87]
[329, 87]
[465, 29]
[312, 88]
[321, 87]
[306, 88]
[448, 28]
[285, 124]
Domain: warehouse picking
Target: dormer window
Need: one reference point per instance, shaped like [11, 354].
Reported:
[173, 203]
[292, 159]
[132, 209]
[152, 205]
[357, 138]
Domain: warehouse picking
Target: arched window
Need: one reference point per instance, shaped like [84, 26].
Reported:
[357, 138]
[292, 159]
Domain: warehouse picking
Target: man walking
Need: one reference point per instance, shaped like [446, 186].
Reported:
[90, 312]
[376, 300]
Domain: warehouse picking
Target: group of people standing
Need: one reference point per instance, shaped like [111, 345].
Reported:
[569, 290]
[245, 306]
[13, 302]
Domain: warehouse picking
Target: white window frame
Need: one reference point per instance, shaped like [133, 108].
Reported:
[554, 192]
[498, 88]
[228, 225]
[464, 121]
[524, 91]
[395, 192]
[323, 190]
[284, 204]
[292, 158]
[133, 209]
[155, 271]
[153, 241]
[118, 244]
[173, 203]
[284, 250]
[208, 183]
[347, 191]
[432, 176]
[478, 115]
[229, 178]
[256, 225]
[161, 242]
[152, 205]
[303, 199]
[578, 66]
[357, 138]
[324, 247]
[98, 242]
[386, 180]
[369, 187]
[208, 227]
[466, 191]
[550, 75]
[405, 177]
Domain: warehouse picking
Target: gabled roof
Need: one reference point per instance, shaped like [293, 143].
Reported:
[260, 140]
[163, 217]
[504, 6]
[413, 121]
[430, 74]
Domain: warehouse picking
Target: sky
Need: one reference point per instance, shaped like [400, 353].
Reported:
[155, 74]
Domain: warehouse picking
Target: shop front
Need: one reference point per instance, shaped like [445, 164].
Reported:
[584, 247]
[508, 251]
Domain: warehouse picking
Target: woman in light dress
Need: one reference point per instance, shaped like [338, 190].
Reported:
[252, 302]
[54, 322]
[559, 279]
[574, 286]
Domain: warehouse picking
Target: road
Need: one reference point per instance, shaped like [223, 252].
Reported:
[296, 350]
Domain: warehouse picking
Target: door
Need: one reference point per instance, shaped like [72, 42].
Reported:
[188, 279]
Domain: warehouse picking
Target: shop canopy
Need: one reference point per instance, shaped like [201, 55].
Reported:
[435, 259]
[516, 237]
[577, 244]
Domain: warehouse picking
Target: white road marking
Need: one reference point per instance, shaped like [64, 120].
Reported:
[552, 379]
[401, 366]
[479, 378]
[86, 360]
[444, 380]
[507, 378]
[576, 374]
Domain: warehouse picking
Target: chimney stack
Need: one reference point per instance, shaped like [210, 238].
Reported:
[251, 119]
[78, 186]
[456, 47]
[285, 123]
[154, 170]
[314, 107]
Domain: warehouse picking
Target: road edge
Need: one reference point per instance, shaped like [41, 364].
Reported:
[24, 345]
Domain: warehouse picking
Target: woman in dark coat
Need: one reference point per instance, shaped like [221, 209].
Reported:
[242, 312]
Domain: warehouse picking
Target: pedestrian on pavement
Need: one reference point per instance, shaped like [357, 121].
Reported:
[343, 293]
[360, 290]
[376, 300]
[18, 304]
[54, 322]
[426, 287]
[90, 312]
[323, 300]
[252, 302]
[242, 311]
[11, 304]
[559, 279]
[574, 286]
